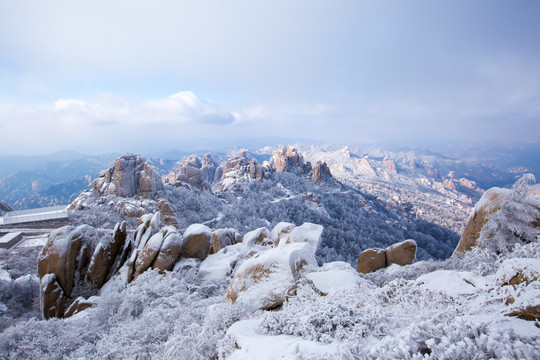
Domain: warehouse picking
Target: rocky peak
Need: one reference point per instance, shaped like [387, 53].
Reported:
[240, 168]
[130, 175]
[389, 165]
[288, 159]
[194, 172]
[321, 173]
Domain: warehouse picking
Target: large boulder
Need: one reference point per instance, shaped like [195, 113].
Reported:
[224, 237]
[197, 240]
[169, 251]
[402, 253]
[265, 280]
[129, 176]
[67, 253]
[478, 218]
[148, 253]
[307, 232]
[167, 211]
[52, 297]
[105, 254]
[371, 260]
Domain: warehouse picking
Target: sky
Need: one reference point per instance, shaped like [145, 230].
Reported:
[140, 76]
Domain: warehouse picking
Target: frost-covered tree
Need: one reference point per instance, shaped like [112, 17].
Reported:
[512, 220]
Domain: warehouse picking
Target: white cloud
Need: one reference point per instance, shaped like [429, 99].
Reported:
[186, 106]
[64, 104]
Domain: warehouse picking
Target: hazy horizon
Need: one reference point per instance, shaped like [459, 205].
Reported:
[100, 77]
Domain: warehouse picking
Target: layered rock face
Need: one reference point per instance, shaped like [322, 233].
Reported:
[371, 260]
[130, 175]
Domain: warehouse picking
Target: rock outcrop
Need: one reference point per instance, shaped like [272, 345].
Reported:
[402, 253]
[104, 256]
[321, 173]
[478, 218]
[194, 172]
[389, 165]
[67, 255]
[76, 260]
[288, 159]
[239, 169]
[130, 175]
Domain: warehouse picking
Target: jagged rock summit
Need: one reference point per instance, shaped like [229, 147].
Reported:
[195, 172]
[130, 175]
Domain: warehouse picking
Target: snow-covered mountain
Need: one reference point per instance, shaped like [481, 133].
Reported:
[267, 297]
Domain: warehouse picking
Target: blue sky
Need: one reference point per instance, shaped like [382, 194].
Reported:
[100, 76]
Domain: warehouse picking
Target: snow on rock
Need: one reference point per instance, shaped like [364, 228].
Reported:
[52, 299]
[307, 232]
[265, 280]
[239, 169]
[129, 176]
[478, 218]
[371, 260]
[402, 253]
[335, 276]
[453, 283]
[249, 344]
[281, 231]
[79, 305]
[105, 254]
[197, 240]
[518, 270]
[219, 266]
[67, 253]
[169, 251]
[148, 254]
[259, 238]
